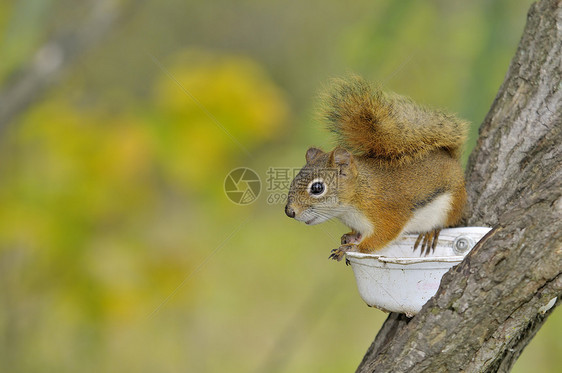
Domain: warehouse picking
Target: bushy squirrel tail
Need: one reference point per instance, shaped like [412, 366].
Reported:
[382, 125]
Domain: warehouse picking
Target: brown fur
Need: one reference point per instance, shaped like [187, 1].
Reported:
[390, 127]
[388, 195]
[394, 158]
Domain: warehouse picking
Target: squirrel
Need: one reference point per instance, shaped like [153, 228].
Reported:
[395, 170]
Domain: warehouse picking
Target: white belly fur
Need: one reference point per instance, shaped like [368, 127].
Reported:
[425, 219]
[354, 219]
[431, 216]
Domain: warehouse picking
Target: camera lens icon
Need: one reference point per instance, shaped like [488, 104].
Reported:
[242, 186]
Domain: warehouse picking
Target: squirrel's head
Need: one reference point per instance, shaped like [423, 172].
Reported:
[320, 190]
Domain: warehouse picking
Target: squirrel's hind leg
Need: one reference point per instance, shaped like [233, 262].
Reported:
[429, 242]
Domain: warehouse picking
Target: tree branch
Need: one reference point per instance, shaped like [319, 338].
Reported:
[490, 306]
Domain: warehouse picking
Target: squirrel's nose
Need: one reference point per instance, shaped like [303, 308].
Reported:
[289, 211]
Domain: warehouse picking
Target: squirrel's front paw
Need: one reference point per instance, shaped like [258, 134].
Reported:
[337, 254]
[351, 238]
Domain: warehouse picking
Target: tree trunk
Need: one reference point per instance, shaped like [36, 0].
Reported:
[491, 305]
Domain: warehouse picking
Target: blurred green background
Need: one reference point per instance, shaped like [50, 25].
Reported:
[119, 250]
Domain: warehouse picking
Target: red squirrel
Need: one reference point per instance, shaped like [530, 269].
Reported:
[395, 170]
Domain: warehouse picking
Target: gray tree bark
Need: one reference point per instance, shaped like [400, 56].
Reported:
[491, 305]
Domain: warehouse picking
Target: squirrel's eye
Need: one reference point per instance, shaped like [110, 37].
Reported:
[317, 188]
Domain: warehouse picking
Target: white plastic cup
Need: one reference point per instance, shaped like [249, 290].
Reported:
[399, 279]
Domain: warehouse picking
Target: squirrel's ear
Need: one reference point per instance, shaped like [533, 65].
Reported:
[343, 160]
[312, 153]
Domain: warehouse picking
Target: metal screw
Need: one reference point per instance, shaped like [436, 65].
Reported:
[463, 244]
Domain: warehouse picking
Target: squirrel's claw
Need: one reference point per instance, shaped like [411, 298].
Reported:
[429, 242]
[338, 254]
